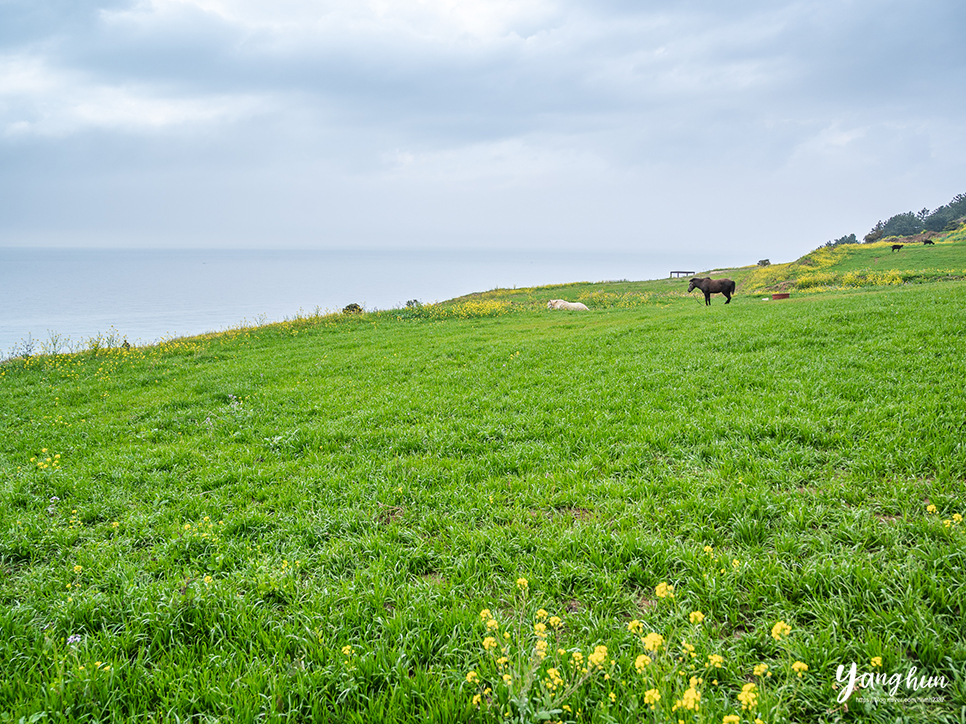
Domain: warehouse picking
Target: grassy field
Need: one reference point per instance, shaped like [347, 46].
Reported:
[465, 511]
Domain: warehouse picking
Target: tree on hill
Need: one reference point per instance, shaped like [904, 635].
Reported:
[850, 239]
[911, 223]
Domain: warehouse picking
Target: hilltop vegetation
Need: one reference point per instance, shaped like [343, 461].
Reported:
[836, 268]
[341, 518]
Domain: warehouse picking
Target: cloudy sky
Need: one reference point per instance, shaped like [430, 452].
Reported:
[766, 126]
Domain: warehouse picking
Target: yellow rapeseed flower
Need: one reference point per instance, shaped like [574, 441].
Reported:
[492, 625]
[472, 677]
[800, 667]
[760, 669]
[663, 590]
[635, 627]
[653, 641]
[696, 617]
[731, 719]
[485, 614]
[652, 697]
[748, 696]
[715, 660]
[780, 629]
[876, 661]
[931, 509]
[522, 584]
[489, 643]
[642, 662]
[347, 651]
[598, 657]
[541, 614]
[540, 629]
[555, 621]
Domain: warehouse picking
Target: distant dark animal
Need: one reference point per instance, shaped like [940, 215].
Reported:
[896, 247]
[713, 286]
[352, 309]
[928, 242]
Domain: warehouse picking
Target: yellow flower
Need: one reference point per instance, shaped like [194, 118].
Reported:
[540, 630]
[492, 624]
[748, 696]
[876, 661]
[931, 509]
[709, 550]
[780, 629]
[653, 641]
[489, 643]
[731, 719]
[477, 700]
[507, 679]
[800, 667]
[696, 617]
[78, 569]
[613, 697]
[957, 518]
[347, 651]
[691, 699]
[522, 584]
[472, 677]
[541, 614]
[485, 614]
[715, 660]
[598, 657]
[642, 662]
[555, 621]
[663, 590]
[760, 669]
[652, 697]
[635, 627]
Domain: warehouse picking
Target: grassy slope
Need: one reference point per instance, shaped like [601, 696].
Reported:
[280, 493]
[944, 261]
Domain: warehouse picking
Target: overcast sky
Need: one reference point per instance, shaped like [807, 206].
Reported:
[763, 126]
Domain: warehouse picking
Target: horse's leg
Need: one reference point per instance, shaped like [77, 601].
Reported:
[727, 296]
[707, 299]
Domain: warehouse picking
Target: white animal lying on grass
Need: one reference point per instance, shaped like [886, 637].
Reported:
[563, 304]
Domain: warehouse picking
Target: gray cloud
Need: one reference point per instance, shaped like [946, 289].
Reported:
[350, 123]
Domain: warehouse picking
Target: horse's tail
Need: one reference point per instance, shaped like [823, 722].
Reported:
[733, 287]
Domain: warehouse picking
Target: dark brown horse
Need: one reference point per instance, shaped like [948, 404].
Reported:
[712, 286]
[928, 242]
[896, 247]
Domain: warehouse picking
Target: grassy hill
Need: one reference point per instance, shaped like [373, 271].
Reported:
[846, 267]
[443, 513]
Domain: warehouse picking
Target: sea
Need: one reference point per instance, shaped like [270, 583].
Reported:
[65, 297]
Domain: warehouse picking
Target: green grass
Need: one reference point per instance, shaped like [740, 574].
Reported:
[229, 512]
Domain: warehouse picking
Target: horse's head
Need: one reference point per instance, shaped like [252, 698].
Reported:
[693, 285]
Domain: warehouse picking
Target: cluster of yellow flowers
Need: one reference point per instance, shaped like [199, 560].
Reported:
[46, 463]
[780, 629]
[956, 518]
[748, 696]
[691, 699]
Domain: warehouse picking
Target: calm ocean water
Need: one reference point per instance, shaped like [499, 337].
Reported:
[148, 294]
